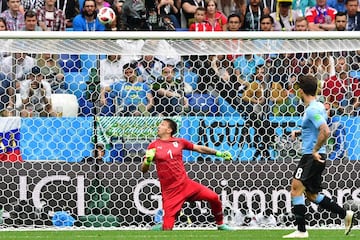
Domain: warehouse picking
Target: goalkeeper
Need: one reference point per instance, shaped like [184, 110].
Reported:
[176, 186]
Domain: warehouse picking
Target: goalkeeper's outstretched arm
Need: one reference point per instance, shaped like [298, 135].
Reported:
[206, 150]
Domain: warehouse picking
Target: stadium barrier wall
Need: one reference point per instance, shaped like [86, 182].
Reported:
[31, 192]
[70, 139]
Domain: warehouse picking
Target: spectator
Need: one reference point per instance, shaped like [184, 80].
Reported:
[6, 107]
[270, 5]
[252, 16]
[3, 6]
[149, 68]
[336, 144]
[110, 72]
[253, 97]
[232, 90]
[199, 24]
[302, 5]
[90, 102]
[50, 17]
[239, 8]
[71, 9]
[131, 96]
[320, 66]
[169, 8]
[205, 66]
[321, 17]
[13, 16]
[224, 6]
[134, 15]
[3, 26]
[31, 22]
[339, 5]
[245, 65]
[169, 94]
[353, 60]
[35, 93]
[301, 24]
[225, 66]
[234, 22]
[340, 21]
[342, 92]
[353, 16]
[282, 78]
[257, 110]
[216, 18]
[116, 25]
[23, 64]
[100, 4]
[87, 19]
[189, 8]
[52, 71]
[153, 19]
[284, 18]
[266, 23]
[219, 71]
[34, 5]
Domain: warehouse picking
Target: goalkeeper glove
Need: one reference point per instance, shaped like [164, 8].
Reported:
[149, 156]
[225, 155]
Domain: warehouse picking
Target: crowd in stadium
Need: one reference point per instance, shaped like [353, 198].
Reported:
[152, 85]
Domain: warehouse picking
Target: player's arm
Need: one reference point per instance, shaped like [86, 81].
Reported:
[295, 134]
[324, 134]
[210, 151]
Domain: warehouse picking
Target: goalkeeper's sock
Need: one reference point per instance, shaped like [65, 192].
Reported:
[331, 206]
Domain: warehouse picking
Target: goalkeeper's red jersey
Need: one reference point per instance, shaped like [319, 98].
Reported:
[169, 163]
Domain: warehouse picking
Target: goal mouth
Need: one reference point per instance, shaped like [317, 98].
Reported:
[234, 92]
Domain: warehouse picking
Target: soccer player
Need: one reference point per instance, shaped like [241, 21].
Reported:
[176, 186]
[307, 177]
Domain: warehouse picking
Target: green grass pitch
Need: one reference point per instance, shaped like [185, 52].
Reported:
[316, 234]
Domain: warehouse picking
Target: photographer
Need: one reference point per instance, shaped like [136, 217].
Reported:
[35, 93]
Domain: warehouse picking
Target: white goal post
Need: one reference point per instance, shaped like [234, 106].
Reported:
[52, 178]
[68, 42]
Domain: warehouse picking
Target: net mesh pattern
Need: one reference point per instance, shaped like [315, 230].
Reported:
[232, 95]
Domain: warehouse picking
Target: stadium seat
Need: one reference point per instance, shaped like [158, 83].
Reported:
[354, 74]
[190, 78]
[70, 63]
[75, 83]
[203, 104]
[88, 61]
[226, 109]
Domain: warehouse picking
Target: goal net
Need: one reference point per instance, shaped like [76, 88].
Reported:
[236, 92]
